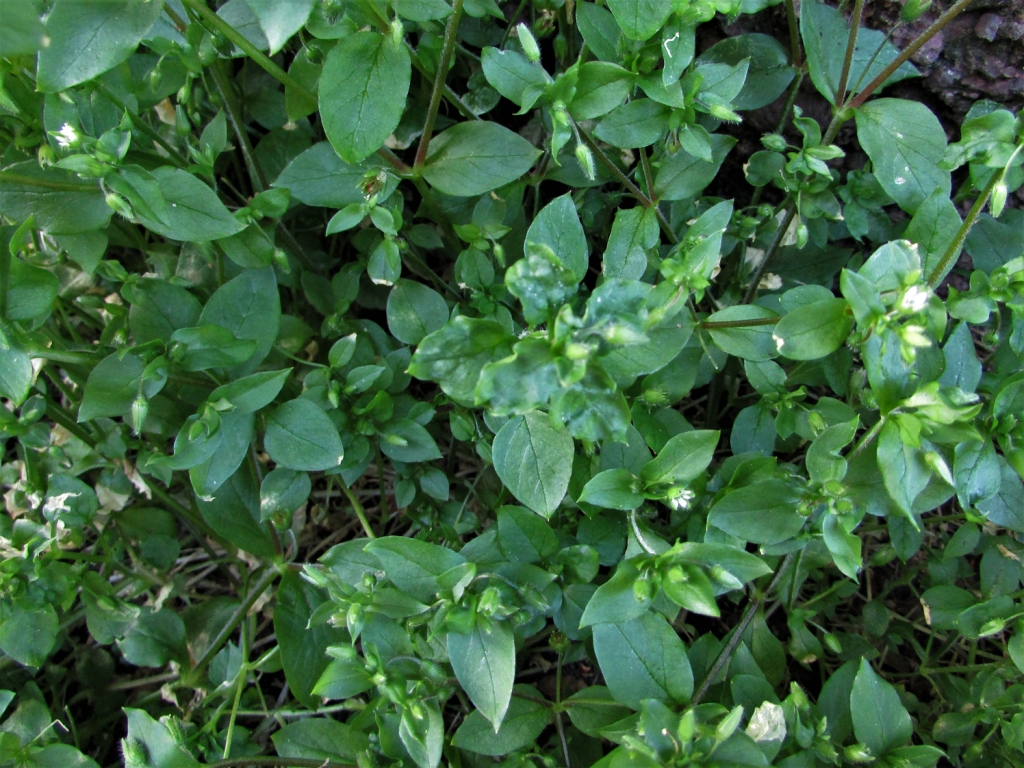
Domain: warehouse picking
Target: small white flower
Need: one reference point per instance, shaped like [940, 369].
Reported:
[680, 498]
[770, 282]
[67, 136]
[915, 299]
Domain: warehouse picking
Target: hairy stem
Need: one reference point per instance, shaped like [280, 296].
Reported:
[851, 45]
[961, 234]
[450, 31]
[937, 26]
[796, 53]
[780, 234]
[737, 633]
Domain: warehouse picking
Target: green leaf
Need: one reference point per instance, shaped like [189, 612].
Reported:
[558, 227]
[521, 383]
[933, 228]
[343, 679]
[27, 631]
[405, 440]
[162, 749]
[514, 76]
[903, 467]
[612, 489]
[750, 342]
[234, 513]
[414, 311]
[362, 93]
[813, 330]
[643, 659]
[250, 307]
[525, 537]
[905, 142]
[455, 355]
[422, 10]
[112, 387]
[210, 346]
[22, 31]
[484, 662]
[31, 291]
[825, 33]
[616, 600]
[303, 648]
[600, 88]
[88, 38]
[683, 458]
[191, 210]
[475, 157]
[319, 177]
[769, 73]
[523, 723]
[639, 123]
[250, 393]
[280, 21]
[634, 233]
[159, 309]
[682, 175]
[315, 738]
[61, 203]
[600, 31]
[880, 720]
[16, 373]
[639, 19]
[301, 436]
[413, 565]
[533, 458]
[764, 513]
[236, 434]
[154, 639]
[283, 490]
[977, 473]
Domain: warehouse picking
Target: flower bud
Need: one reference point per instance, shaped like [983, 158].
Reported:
[528, 41]
[858, 753]
[134, 751]
[914, 8]
[774, 142]
[998, 198]
[801, 235]
[140, 409]
[722, 112]
[120, 206]
[586, 160]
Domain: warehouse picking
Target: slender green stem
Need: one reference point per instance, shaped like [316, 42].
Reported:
[360, 512]
[780, 234]
[219, 25]
[737, 633]
[268, 578]
[712, 324]
[627, 183]
[937, 26]
[865, 441]
[141, 124]
[961, 234]
[450, 31]
[220, 81]
[794, 34]
[13, 177]
[645, 164]
[65, 419]
[851, 45]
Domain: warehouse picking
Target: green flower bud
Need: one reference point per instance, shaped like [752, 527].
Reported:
[722, 112]
[528, 41]
[586, 160]
[185, 93]
[140, 409]
[120, 206]
[858, 753]
[774, 142]
[135, 753]
[914, 8]
[998, 198]
[801, 235]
